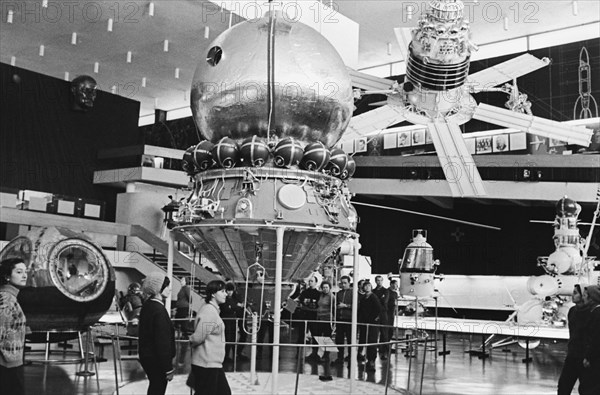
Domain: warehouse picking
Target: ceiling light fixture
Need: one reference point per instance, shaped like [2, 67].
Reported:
[42, 50]
[128, 56]
[74, 38]
[156, 102]
[410, 11]
[9, 16]
[13, 60]
[143, 82]
[575, 8]
[67, 76]
[151, 9]
[166, 46]
[177, 72]
[96, 67]
[113, 89]
[505, 23]
[206, 31]
[110, 25]
[45, 3]
[389, 48]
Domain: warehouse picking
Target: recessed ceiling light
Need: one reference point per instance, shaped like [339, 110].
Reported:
[13, 60]
[151, 9]
[9, 16]
[128, 56]
[166, 46]
[42, 50]
[67, 76]
[109, 25]
[177, 72]
[206, 31]
[74, 38]
[96, 67]
[143, 82]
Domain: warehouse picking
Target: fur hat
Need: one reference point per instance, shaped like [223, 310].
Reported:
[594, 293]
[154, 283]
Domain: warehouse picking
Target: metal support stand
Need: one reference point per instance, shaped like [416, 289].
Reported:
[444, 351]
[85, 372]
[527, 358]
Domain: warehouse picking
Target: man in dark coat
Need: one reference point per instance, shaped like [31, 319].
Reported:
[589, 382]
[156, 345]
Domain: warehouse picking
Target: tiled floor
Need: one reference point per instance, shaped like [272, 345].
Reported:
[458, 373]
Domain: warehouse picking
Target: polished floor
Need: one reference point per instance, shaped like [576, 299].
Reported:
[459, 372]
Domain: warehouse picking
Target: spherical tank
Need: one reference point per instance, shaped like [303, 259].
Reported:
[272, 76]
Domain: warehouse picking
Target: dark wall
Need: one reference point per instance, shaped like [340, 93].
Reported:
[47, 146]
[510, 251]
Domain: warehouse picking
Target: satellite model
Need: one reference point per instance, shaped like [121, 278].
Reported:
[437, 92]
[566, 266]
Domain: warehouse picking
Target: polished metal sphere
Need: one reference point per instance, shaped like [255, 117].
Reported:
[297, 87]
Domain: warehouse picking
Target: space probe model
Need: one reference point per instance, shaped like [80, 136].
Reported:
[271, 99]
[437, 92]
[566, 266]
[417, 268]
[70, 281]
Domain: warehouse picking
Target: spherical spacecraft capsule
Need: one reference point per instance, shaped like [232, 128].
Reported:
[337, 163]
[254, 151]
[288, 152]
[566, 207]
[316, 156]
[70, 281]
[188, 165]
[350, 169]
[226, 153]
[310, 95]
[202, 155]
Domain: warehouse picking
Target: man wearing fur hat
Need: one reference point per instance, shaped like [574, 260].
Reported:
[157, 335]
[589, 382]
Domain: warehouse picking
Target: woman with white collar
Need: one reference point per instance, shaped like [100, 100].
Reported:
[208, 342]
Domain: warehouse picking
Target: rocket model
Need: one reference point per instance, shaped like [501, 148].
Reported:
[417, 268]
